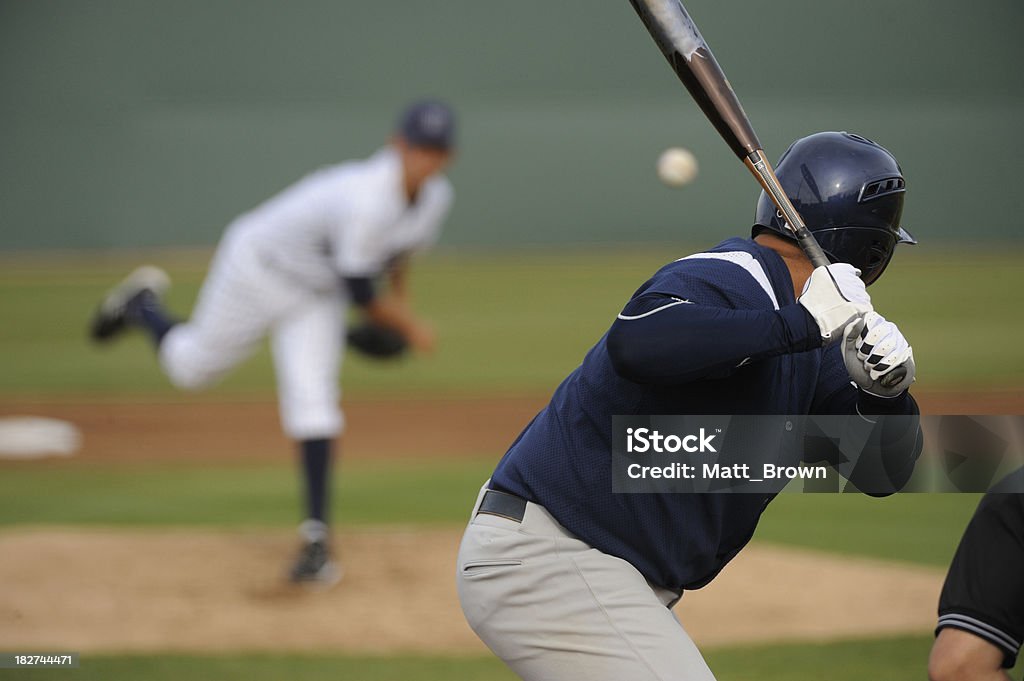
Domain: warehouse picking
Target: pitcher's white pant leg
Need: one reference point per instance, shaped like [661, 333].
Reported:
[234, 311]
[307, 345]
[556, 609]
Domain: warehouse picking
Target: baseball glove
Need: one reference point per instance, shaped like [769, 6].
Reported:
[378, 342]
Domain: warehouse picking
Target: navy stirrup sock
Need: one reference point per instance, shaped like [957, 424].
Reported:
[316, 464]
[146, 311]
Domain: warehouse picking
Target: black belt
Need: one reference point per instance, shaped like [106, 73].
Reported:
[502, 504]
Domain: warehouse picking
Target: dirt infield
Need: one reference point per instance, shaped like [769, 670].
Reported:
[113, 591]
[250, 431]
[178, 590]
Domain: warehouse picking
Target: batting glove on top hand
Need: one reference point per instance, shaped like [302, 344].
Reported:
[835, 296]
[877, 356]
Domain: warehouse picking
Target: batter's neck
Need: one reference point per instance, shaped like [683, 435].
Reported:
[799, 266]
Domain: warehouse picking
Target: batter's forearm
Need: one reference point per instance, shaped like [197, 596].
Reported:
[887, 460]
[665, 341]
[899, 443]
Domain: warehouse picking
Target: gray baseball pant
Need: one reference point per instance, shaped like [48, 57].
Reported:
[556, 609]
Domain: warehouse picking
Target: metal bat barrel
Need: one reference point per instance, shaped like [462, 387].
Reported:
[688, 54]
[690, 57]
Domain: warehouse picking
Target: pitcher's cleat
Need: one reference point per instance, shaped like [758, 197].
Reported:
[315, 565]
[113, 315]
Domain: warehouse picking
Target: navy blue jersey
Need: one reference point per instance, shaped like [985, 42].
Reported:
[718, 332]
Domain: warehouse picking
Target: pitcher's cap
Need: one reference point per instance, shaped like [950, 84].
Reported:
[428, 123]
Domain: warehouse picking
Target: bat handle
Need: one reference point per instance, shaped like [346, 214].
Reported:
[758, 164]
[893, 377]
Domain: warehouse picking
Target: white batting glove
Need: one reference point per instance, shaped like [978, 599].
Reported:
[877, 356]
[835, 296]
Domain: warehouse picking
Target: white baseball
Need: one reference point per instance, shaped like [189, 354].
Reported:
[677, 167]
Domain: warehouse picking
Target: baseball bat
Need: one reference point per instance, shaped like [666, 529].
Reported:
[688, 54]
[690, 57]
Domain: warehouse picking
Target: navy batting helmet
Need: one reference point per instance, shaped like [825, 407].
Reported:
[849, 191]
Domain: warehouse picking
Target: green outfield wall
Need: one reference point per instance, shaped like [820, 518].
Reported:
[128, 123]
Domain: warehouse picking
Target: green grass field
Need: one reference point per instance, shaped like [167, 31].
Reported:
[917, 528]
[512, 323]
[508, 323]
[894, 658]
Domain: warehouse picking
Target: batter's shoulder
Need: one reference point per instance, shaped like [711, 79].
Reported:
[734, 274]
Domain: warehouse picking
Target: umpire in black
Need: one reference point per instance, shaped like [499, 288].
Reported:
[981, 610]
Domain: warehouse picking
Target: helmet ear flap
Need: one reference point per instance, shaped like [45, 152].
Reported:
[768, 218]
[869, 249]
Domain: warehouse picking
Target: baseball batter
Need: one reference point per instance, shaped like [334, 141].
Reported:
[289, 269]
[563, 579]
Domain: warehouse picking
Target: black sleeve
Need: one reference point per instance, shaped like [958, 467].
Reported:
[361, 290]
[886, 463]
[900, 441]
[659, 339]
[984, 589]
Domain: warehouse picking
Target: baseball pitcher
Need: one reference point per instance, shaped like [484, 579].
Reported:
[289, 269]
[563, 579]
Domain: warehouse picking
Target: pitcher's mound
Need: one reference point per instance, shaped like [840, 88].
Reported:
[98, 590]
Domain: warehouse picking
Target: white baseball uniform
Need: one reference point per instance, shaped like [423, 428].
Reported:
[278, 270]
